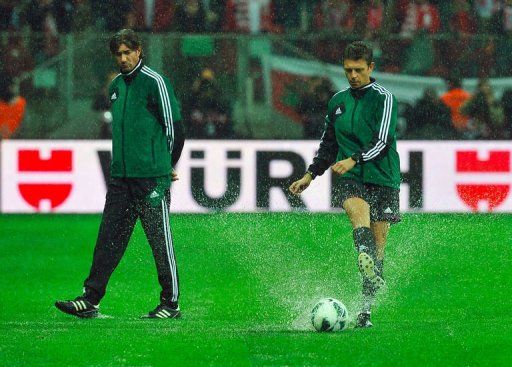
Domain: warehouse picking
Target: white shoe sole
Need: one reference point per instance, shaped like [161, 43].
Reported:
[367, 269]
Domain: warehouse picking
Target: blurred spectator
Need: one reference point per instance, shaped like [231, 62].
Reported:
[462, 20]
[454, 98]
[503, 43]
[6, 13]
[64, 13]
[101, 105]
[42, 18]
[250, 16]
[420, 18]
[446, 11]
[50, 16]
[215, 11]
[374, 18]
[503, 52]
[505, 18]
[12, 107]
[207, 113]
[484, 56]
[507, 15]
[111, 15]
[428, 118]
[506, 103]
[82, 17]
[190, 17]
[420, 15]
[399, 10]
[15, 58]
[313, 106]
[151, 15]
[334, 15]
[420, 55]
[486, 114]
[37, 13]
[289, 13]
[392, 60]
[456, 55]
[485, 11]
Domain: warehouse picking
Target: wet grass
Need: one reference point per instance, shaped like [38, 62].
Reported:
[248, 282]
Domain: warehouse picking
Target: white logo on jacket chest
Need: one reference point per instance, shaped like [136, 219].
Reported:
[113, 97]
[338, 111]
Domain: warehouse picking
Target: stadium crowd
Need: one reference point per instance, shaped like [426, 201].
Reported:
[449, 39]
[426, 32]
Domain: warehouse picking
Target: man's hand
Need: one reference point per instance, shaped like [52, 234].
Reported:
[174, 176]
[343, 166]
[300, 185]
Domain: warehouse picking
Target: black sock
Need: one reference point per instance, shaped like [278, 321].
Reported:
[168, 303]
[91, 296]
[173, 305]
[364, 241]
[369, 293]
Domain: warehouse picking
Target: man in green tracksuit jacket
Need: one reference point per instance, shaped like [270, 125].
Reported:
[359, 144]
[147, 139]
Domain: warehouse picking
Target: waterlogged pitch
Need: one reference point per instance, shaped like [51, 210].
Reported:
[248, 284]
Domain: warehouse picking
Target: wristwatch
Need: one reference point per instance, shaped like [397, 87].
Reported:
[357, 157]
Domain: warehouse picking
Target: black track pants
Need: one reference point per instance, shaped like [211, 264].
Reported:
[127, 200]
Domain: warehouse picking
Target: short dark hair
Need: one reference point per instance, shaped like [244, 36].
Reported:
[358, 50]
[127, 37]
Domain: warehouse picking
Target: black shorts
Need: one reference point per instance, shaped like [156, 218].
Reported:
[384, 201]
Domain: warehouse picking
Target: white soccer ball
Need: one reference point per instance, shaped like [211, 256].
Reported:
[329, 314]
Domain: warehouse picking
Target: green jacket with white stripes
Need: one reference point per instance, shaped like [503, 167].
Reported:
[361, 123]
[145, 114]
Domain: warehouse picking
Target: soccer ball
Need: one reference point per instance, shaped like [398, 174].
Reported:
[329, 314]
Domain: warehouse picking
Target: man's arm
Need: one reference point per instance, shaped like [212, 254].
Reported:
[168, 108]
[325, 156]
[179, 142]
[327, 151]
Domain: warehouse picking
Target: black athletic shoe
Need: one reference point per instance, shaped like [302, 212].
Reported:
[79, 307]
[163, 312]
[369, 271]
[363, 320]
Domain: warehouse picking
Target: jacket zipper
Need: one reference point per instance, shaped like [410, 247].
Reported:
[122, 131]
[352, 120]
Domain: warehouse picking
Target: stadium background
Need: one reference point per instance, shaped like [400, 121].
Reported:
[252, 259]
